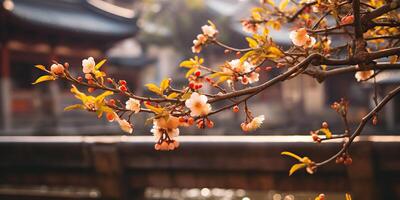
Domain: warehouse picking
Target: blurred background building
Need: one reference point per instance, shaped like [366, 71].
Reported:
[144, 41]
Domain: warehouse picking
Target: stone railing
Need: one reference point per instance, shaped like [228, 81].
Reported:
[121, 167]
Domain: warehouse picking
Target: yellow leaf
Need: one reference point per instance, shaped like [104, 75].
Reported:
[275, 51]
[186, 95]
[73, 107]
[186, 63]
[190, 72]
[41, 67]
[283, 4]
[265, 32]
[256, 16]
[327, 132]
[154, 88]
[154, 109]
[201, 60]
[173, 95]
[348, 196]
[271, 2]
[101, 97]
[247, 55]
[212, 24]
[252, 43]
[296, 167]
[324, 67]
[287, 153]
[222, 79]
[100, 64]
[44, 78]
[164, 84]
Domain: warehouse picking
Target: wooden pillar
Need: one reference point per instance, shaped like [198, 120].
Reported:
[362, 172]
[50, 104]
[110, 176]
[5, 88]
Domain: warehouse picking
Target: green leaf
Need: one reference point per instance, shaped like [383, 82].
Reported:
[100, 64]
[44, 78]
[296, 167]
[73, 107]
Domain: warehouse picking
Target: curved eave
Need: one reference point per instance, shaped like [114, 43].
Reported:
[75, 17]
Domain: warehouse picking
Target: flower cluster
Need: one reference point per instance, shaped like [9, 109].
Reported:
[165, 131]
[198, 105]
[243, 71]
[300, 38]
[364, 75]
[209, 32]
[254, 124]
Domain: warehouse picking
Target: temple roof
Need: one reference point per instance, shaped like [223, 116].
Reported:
[77, 17]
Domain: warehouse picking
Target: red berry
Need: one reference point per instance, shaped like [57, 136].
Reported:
[176, 143]
[90, 90]
[182, 119]
[339, 160]
[235, 109]
[227, 51]
[198, 86]
[111, 102]
[147, 103]
[209, 123]
[375, 120]
[268, 68]
[164, 146]
[191, 85]
[123, 88]
[122, 82]
[190, 121]
[157, 146]
[110, 117]
[348, 161]
[80, 78]
[315, 137]
[109, 80]
[238, 53]
[171, 146]
[197, 73]
[200, 124]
